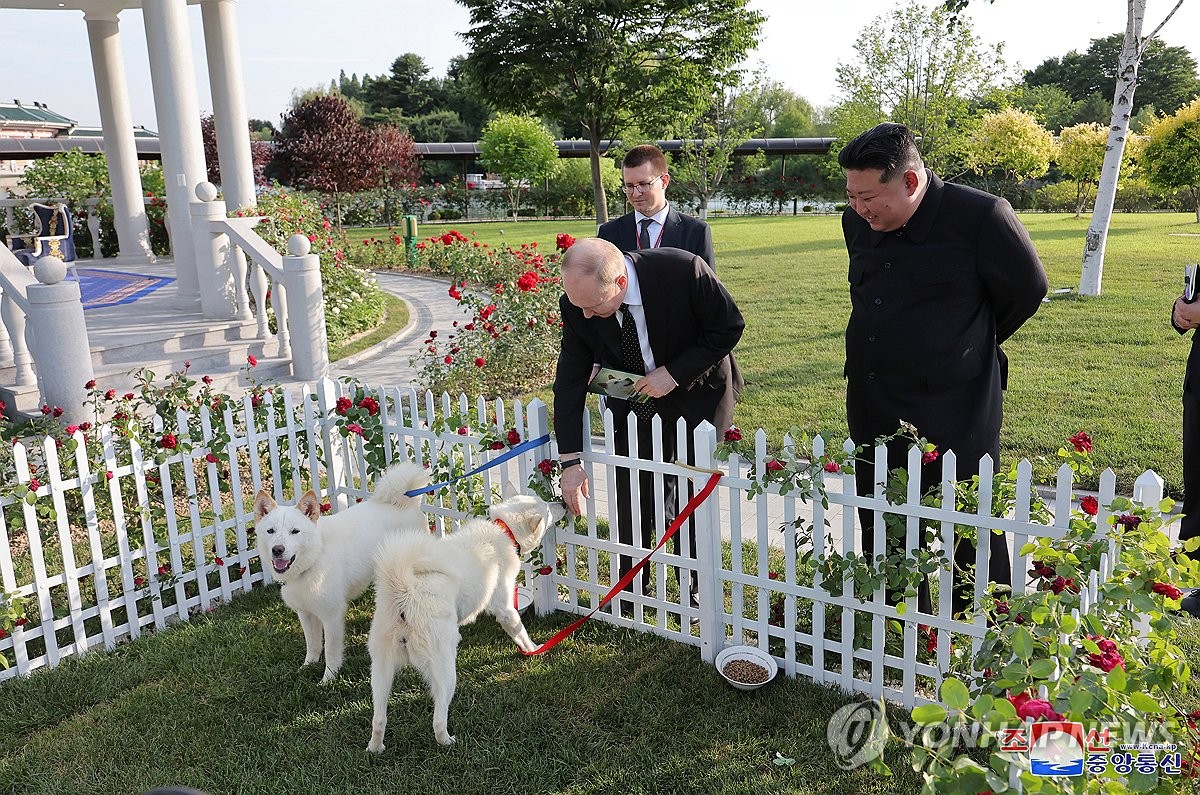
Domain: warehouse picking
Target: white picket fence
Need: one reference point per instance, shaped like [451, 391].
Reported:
[97, 586]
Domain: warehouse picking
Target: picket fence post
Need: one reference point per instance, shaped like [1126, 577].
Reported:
[708, 550]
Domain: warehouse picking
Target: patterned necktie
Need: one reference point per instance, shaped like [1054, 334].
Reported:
[644, 235]
[631, 356]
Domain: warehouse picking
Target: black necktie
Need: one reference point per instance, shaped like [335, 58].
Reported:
[631, 355]
[644, 235]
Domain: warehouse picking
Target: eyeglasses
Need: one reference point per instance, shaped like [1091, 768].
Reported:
[640, 187]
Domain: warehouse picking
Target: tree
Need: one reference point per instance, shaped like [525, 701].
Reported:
[1013, 143]
[1167, 75]
[709, 140]
[72, 176]
[1172, 154]
[911, 67]
[521, 150]
[261, 152]
[322, 146]
[1132, 48]
[1081, 157]
[603, 64]
[1052, 106]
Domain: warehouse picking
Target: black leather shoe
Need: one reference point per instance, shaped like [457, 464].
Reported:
[1191, 603]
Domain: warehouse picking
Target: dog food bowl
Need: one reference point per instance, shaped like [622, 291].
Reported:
[524, 600]
[748, 656]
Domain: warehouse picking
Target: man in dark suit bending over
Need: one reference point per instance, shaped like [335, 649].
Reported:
[663, 314]
[654, 223]
[940, 276]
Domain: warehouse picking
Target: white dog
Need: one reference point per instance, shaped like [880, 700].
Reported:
[324, 565]
[426, 587]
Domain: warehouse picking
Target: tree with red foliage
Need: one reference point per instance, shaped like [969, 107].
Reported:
[324, 147]
[261, 152]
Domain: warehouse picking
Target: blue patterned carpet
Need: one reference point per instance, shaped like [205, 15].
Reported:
[102, 288]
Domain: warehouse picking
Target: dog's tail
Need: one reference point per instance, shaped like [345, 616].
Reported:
[401, 478]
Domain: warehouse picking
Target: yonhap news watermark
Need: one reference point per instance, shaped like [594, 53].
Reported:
[858, 733]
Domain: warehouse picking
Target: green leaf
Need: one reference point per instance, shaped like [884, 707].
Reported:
[1068, 624]
[1043, 669]
[1080, 700]
[1117, 679]
[1143, 703]
[982, 706]
[929, 714]
[1022, 643]
[901, 608]
[955, 694]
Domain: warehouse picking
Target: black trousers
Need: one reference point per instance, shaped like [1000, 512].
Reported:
[1000, 566]
[1190, 524]
[651, 510]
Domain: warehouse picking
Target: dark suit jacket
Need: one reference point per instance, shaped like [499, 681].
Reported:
[931, 304]
[679, 231]
[693, 324]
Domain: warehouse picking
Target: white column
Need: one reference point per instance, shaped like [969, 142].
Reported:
[178, 113]
[112, 92]
[229, 103]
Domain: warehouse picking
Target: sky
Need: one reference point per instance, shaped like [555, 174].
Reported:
[290, 44]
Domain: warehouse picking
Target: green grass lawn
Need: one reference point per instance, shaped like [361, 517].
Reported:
[220, 704]
[1111, 365]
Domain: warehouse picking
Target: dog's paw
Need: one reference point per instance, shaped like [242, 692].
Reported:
[328, 677]
[446, 739]
[375, 747]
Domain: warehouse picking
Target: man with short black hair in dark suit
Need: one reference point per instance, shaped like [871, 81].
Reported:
[654, 223]
[940, 276]
[686, 324]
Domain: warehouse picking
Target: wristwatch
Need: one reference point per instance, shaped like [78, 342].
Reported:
[571, 462]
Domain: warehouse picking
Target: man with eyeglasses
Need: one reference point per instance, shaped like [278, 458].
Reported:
[654, 223]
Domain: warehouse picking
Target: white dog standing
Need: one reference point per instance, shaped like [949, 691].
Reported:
[324, 565]
[426, 587]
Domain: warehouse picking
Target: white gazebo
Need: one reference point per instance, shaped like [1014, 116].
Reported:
[177, 109]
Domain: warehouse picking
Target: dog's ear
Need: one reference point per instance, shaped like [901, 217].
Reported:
[510, 490]
[310, 506]
[264, 503]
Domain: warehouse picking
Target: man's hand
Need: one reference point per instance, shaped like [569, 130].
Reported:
[574, 487]
[1186, 316]
[655, 384]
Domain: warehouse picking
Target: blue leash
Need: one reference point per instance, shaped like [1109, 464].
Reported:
[515, 451]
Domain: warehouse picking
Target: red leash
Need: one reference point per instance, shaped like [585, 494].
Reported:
[683, 516]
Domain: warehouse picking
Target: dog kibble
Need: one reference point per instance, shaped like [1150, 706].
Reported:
[746, 672]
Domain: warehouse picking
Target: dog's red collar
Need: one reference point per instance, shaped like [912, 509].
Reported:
[508, 532]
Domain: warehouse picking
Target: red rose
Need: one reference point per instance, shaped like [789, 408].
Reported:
[46, 409]
[1081, 442]
[480, 361]
[1129, 520]
[1168, 590]
[513, 437]
[1035, 708]
[355, 428]
[164, 569]
[497, 445]
[1061, 584]
[110, 394]
[326, 507]
[344, 404]
[454, 292]
[70, 429]
[487, 311]
[139, 581]
[210, 458]
[108, 475]
[207, 379]
[1109, 657]
[448, 360]
[929, 456]
[217, 559]
[1042, 569]
[832, 466]
[528, 282]
[1089, 505]
[85, 426]
[546, 466]
[34, 484]
[129, 396]
[563, 241]
[774, 465]
[90, 384]
[462, 430]
[256, 400]
[168, 441]
[544, 570]
[370, 404]
[252, 361]
[733, 434]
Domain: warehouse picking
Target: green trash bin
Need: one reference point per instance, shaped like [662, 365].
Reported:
[409, 225]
